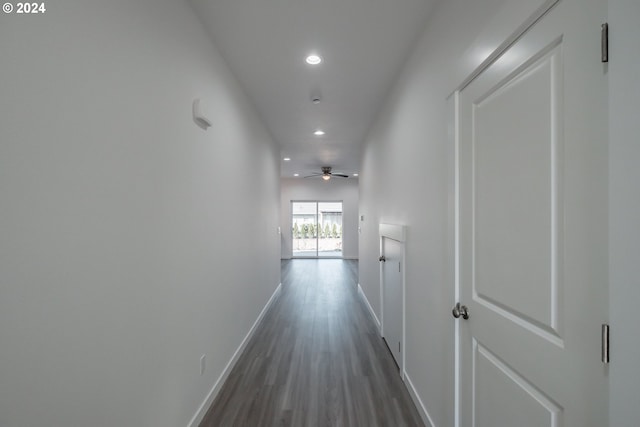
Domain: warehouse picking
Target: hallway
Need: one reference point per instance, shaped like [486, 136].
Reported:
[316, 360]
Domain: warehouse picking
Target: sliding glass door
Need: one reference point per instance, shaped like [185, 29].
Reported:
[316, 229]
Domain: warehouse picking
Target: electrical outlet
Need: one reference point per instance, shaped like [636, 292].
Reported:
[203, 363]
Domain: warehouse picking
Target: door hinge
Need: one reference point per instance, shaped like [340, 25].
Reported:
[604, 42]
[399, 271]
[605, 343]
[398, 346]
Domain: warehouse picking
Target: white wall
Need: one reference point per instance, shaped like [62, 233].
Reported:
[624, 193]
[316, 189]
[119, 267]
[407, 178]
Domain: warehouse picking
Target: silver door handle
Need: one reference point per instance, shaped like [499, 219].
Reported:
[382, 259]
[460, 310]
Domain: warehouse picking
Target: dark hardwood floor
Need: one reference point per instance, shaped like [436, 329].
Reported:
[316, 360]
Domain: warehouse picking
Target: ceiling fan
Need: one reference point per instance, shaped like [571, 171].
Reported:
[326, 174]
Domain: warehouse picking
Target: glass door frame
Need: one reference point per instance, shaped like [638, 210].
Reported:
[317, 221]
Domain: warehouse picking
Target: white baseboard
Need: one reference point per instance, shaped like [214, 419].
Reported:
[418, 402]
[202, 410]
[366, 301]
[412, 391]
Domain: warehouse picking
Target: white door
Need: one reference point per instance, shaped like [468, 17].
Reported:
[392, 293]
[532, 238]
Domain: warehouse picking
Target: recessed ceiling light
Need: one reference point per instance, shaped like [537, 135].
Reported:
[313, 60]
[318, 132]
[355, 174]
[296, 174]
[286, 159]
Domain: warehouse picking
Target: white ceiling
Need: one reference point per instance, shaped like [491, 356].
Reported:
[363, 44]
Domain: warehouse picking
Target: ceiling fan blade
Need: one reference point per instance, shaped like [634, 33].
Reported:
[340, 175]
[313, 175]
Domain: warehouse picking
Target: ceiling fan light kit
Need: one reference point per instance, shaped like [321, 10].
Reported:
[327, 174]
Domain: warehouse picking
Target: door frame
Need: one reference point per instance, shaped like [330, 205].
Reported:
[397, 233]
[317, 202]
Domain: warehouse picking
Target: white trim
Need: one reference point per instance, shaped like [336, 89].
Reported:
[366, 302]
[202, 410]
[456, 251]
[530, 19]
[393, 231]
[399, 234]
[418, 402]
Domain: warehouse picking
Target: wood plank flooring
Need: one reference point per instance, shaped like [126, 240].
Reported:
[316, 360]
